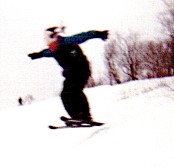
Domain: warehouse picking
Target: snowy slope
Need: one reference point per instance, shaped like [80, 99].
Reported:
[139, 130]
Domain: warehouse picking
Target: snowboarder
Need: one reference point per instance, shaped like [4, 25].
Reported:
[75, 66]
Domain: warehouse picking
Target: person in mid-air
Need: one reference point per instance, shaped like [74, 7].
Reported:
[76, 69]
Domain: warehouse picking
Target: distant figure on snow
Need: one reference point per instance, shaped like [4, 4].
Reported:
[20, 101]
[75, 66]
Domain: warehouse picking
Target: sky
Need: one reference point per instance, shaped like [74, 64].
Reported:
[22, 25]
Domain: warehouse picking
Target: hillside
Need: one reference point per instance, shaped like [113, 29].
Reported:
[139, 130]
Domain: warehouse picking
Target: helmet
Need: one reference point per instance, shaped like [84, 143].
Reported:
[52, 33]
[57, 30]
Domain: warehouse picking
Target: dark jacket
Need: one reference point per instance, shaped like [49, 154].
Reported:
[69, 55]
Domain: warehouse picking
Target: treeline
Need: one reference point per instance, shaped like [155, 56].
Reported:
[129, 58]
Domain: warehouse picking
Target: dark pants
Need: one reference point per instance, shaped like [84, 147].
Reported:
[73, 98]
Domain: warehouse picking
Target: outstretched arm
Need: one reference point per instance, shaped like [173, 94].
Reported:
[71, 40]
[43, 53]
[84, 36]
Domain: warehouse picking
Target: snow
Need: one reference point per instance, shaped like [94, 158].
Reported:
[139, 129]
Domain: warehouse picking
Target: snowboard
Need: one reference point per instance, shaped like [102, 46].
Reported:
[72, 123]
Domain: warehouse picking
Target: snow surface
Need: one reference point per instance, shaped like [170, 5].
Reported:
[139, 130]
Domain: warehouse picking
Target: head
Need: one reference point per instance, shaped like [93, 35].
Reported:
[52, 33]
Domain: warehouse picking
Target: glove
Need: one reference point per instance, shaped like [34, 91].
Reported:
[35, 55]
[103, 34]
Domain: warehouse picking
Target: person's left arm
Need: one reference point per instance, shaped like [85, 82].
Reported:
[84, 36]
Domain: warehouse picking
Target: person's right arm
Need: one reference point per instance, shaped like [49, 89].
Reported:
[43, 53]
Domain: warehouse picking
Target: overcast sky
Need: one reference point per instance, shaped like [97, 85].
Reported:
[22, 24]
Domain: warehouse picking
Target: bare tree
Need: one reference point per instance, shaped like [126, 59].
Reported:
[166, 18]
[123, 58]
[156, 59]
[111, 61]
[131, 59]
